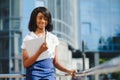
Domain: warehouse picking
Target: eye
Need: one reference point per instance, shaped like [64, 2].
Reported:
[46, 18]
[40, 18]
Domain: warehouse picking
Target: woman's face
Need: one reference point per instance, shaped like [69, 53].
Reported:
[41, 21]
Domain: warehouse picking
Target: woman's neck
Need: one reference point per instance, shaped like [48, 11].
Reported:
[39, 32]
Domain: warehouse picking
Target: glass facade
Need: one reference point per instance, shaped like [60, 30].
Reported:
[4, 15]
[10, 36]
[100, 25]
[63, 19]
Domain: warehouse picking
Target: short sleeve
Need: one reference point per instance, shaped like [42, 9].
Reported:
[56, 41]
[23, 45]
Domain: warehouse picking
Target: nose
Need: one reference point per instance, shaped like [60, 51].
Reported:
[43, 20]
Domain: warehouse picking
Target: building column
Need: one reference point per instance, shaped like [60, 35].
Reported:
[96, 62]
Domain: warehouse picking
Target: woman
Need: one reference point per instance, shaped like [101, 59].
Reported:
[40, 65]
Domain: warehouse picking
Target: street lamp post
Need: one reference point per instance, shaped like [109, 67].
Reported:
[83, 55]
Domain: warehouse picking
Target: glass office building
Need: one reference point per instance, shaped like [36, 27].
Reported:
[14, 16]
[100, 26]
[10, 36]
[61, 21]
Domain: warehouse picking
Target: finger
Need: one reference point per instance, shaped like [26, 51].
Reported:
[74, 75]
[74, 71]
[67, 74]
[44, 45]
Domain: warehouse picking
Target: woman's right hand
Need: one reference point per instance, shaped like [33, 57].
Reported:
[43, 47]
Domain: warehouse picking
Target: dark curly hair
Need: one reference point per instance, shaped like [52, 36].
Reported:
[32, 23]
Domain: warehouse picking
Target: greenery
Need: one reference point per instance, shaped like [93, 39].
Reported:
[115, 75]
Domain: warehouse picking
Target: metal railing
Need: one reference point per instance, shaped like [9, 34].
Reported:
[110, 66]
[15, 76]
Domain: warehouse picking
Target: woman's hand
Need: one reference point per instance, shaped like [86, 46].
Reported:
[72, 73]
[43, 48]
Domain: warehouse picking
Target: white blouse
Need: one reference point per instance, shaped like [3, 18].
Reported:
[51, 40]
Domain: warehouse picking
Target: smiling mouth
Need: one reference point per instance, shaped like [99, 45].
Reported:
[41, 27]
[42, 24]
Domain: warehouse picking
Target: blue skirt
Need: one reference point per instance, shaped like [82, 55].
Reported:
[41, 70]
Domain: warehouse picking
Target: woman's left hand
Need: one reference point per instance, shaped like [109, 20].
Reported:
[72, 73]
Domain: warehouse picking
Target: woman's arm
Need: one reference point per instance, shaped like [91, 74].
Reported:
[28, 61]
[59, 66]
